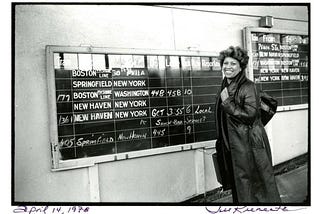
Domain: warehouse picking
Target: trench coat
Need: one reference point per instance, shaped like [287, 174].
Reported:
[244, 155]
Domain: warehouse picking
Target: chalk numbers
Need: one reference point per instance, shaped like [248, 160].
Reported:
[64, 119]
[175, 111]
[189, 129]
[159, 132]
[170, 92]
[174, 93]
[63, 98]
[158, 93]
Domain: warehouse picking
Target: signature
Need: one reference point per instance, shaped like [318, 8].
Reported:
[243, 209]
[50, 210]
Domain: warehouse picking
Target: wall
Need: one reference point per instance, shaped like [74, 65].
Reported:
[289, 137]
[163, 178]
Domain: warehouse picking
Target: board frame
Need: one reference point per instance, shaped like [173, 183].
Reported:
[247, 42]
[58, 164]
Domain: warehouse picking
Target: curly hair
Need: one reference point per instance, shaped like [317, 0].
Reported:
[237, 53]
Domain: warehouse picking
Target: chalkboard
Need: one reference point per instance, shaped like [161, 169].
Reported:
[280, 64]
[109, 103]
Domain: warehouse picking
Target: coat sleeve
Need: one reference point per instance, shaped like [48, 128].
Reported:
[247, 112]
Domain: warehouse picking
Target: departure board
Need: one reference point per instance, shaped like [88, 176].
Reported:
[280, 64]
[114, 103]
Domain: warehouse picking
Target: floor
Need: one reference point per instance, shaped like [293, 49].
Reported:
[293, 188]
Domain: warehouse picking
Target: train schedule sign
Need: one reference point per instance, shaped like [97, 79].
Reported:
[107, 103]
[280, 64]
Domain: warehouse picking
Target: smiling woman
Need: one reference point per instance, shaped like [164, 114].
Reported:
[243, 150]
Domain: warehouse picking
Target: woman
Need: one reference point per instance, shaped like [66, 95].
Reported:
[243, 149]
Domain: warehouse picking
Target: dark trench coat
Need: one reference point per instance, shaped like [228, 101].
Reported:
[244, 154]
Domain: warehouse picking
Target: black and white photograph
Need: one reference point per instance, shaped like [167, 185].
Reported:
[201, 105]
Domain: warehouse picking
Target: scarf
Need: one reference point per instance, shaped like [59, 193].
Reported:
[233, 88]
[235, 83]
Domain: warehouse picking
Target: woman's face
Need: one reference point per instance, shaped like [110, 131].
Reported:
[230, 67]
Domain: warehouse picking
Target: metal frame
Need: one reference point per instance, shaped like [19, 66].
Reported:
[58, 164]
[248, 45]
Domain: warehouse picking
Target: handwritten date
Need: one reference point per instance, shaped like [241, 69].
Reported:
[51, 210]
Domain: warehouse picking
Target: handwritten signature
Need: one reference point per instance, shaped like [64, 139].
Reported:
[51, 210]
[243, 209]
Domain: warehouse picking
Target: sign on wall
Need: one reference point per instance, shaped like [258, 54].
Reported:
[280, 64]
[106, 102]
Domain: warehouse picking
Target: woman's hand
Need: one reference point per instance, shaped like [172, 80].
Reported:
[224, 94]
